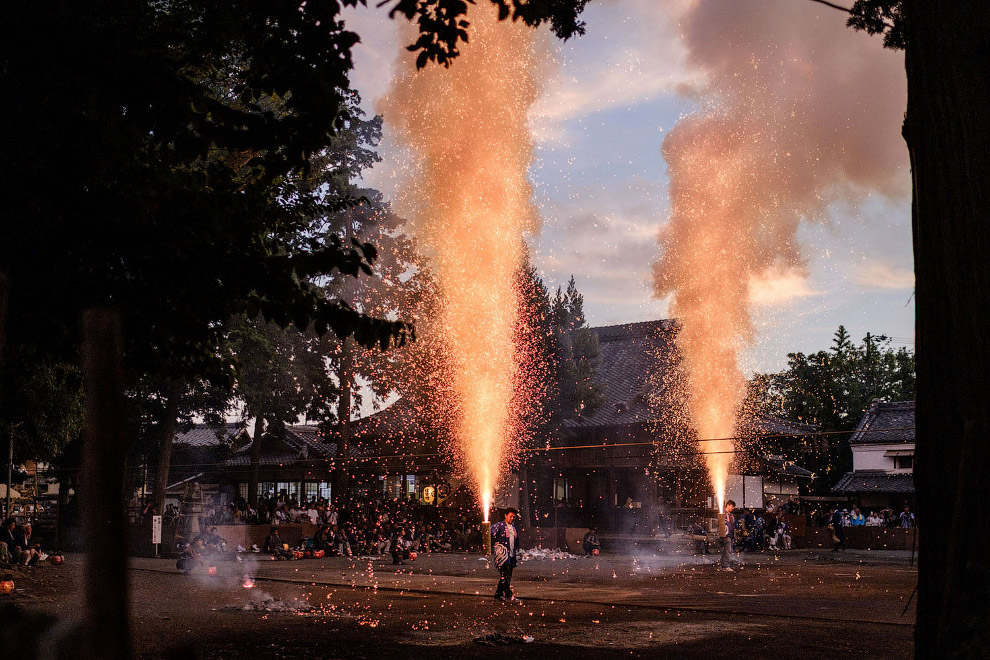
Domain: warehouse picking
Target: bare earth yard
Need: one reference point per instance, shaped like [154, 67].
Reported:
[794, 605]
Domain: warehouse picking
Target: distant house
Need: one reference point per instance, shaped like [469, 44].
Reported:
[883, 457]
[199, 452]
[632, 460]
[622, 467]
[298, 462]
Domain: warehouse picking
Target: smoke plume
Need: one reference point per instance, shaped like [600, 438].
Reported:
[798, 112]
[467, 193]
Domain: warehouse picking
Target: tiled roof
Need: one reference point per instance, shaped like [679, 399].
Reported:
[629, 354]
[885, 423]
[204, 435]
[398, 421]
[789, 467]
[875, 481]
[300, 443]
[768, 425]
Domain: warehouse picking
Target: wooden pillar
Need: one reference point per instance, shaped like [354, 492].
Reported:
[103, 516]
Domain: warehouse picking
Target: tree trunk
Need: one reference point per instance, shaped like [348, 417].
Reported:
[168, 428]
[341, 469]
[103, 516]
[948, 136]
[259, 428]
[4, 293]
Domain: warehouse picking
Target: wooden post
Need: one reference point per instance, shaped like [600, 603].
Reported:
[103, 516]
[341, 476]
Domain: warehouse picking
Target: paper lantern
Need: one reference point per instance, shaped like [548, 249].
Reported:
[318, 554]
[6, 587]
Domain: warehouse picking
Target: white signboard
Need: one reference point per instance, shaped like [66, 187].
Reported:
[156, 529]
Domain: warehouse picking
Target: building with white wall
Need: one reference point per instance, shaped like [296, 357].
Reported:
[883, 457]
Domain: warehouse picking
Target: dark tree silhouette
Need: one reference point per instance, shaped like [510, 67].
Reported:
[947, 130]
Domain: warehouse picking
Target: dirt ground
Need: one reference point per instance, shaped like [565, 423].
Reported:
[792, 605]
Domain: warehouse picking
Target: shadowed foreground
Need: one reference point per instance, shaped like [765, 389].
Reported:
[794, 606]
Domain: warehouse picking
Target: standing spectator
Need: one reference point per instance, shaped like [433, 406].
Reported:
[396, 547]
[856, 518]
[873, 520]
[838, 532]
[906, 517]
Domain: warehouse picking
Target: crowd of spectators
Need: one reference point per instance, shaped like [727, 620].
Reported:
[362, 525]
[18, 545]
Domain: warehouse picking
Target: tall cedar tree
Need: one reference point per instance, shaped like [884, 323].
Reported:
[947, 131]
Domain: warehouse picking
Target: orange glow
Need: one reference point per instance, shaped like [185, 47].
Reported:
[468, 196]
[781, 136]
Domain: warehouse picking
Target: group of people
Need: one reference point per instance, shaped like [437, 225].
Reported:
[846, 518]
[18, 544]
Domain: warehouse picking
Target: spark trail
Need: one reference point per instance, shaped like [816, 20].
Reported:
[468, 195]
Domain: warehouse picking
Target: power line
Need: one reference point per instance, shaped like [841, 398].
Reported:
[332, 462]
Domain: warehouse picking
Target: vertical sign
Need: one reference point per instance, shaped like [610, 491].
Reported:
[156, 529]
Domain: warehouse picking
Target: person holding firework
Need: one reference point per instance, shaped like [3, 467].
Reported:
[505, 549]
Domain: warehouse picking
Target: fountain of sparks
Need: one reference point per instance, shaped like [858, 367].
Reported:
[787, 134]
[469, 198]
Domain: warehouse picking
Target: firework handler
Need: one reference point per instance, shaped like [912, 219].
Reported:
[505, 548]
[729, 530]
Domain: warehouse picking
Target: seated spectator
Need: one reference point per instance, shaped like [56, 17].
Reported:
[590, 543]
[8, 540]
[699, 536]
[781, 540]
[341, 541]
[27, 550]
[191, 556]
[275, 546]
[323, 539]
[213, 541]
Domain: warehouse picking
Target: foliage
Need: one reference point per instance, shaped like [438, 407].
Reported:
[443, 23]
[181, 138]
[884, 17]
[400, 287]
[832, 389]
[42, 408]
[579, 356]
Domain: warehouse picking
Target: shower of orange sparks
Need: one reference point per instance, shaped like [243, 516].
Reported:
[470, 202]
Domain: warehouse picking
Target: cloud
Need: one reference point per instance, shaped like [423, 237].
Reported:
[780, 287]
[630, 55]
[883, 275]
